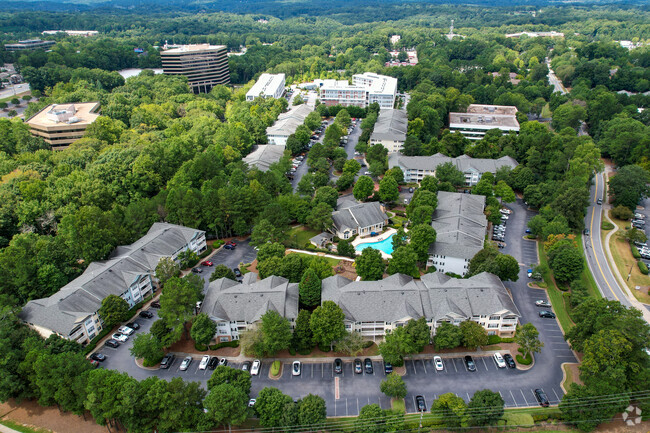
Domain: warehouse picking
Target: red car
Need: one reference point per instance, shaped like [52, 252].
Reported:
[233, 243]
[207, 263]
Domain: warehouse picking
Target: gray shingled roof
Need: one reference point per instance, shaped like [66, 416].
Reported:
[264, 156]
[360, 215]
[231, 301]
[83, 296]
[391, 125]
[435, 296]
[463, 163]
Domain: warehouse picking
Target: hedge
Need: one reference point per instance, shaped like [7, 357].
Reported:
[305, 351]
[643, 268]
[524, 361]
[233, 343]
[200, 347]
[275, 368]
[324, 348]
[207, 252]
[152, 362]
[635, 252]
[606, 225]
[495, 339]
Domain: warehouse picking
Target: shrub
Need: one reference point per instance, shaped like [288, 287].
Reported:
[152, 362]
[635, 252]
[622, 213]
[275, 368]
[233, 343]
[524, 361]
[200, 347]
[305, 351]
[507, 339]
[206, 253]
[606, 225]
[494, 339]
[643, 268]
[324, 348]
[367, 344]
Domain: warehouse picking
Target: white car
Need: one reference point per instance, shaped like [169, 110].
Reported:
[204, 362]
[367, 173]
[255, 369]
[438, 362]
[295, 369]
[505, 211]
[501, 363]
[120, 337]
[251, 402]
[186, 363]
[126, 330]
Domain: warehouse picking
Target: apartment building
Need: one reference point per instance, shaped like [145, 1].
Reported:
[479, 119]
[29, 44]
[365, 89]
[287, 124]
[374, 308]
[236, 306]
[415, 168]
[390, 130]
[72, 312]
[461, 227]
[204, 65]
[62, 124]
[354, 218]
[267, 86]
[264, 156]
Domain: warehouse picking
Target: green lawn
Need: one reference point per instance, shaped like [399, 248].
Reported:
[554, 294]
[586, 276]
[301, 235]
[546, 112]
[21, 428]
[332, 262]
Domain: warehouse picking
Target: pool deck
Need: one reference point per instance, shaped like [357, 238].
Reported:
[380, 237]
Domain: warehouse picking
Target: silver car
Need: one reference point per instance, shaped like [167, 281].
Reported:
[186, 363]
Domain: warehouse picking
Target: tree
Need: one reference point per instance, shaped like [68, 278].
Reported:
[421, 215]
[485, 408]
[404, 261]
[393, 386]
[345, 248]
[490, 260]
[276, 332]
[327, 323]
[223, 271]
[148, 347]
[163, 333]
[566, 261]
[527, 337]
[269, 250]
[351, 344]
[363, 188]
[177, 303]
[326, 194]
[114, 310]
[447, 336]
[312, 411]
[239, 379]
[265, 232]
[371, 419]
[302, 335]
[422, 236]
[344, 181]
[418, 333]
[226, 404]
[504, 191]
[203, 329]
[370, 264]
[395, 346]
[320, 217]
[399, 238]
[634, 235]
[587, 416]
[629, 185]
[571, 204]
[474, 335]
[166, 269]
[321, 266]
[351, 166]
[396, 173]
[270, 405]
[448, 172]
[388, 191]
[568, 115]
[622, 213]
[310, 288]
[451, 408]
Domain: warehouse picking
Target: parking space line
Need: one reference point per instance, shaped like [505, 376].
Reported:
[346, 407]
[513, 398]
[453, 361]
[532, 391]
[415, 371]
[484, 364]
[336, 390]
[424, 366]
[468, 397]
[358, 411]
[556, 396]
[522, 394]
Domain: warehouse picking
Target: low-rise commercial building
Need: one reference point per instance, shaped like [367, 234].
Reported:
[72, 312]
[365, 89]
[551, 34]
[374, 308]
[358, 218]
[267, 86]
[236, 306]
[287, 124]
[204, 65]
[29, 44]
[415, 168]
[62, 124]
[479, 119]
[264, 155]
[84, 33]
[461, 226]
[390, 130]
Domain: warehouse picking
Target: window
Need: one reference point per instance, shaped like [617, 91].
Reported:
[223, 339]
[495, 317]
[493, 325]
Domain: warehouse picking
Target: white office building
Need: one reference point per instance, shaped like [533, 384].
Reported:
[479, 119]
[365, 89]
[267, 86]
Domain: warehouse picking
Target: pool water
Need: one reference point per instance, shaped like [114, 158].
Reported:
[386, 245]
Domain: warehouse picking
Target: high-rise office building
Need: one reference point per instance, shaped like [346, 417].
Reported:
[204, 65]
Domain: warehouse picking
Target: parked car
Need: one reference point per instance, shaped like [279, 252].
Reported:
[295, 368]
[543, 303]
[469, 363]
[186, 363]
[112, 343]
[639, 216]
[511, 362]
[500, 245]
[251, 402]
[237, 272]
[585, 232]
[197, 270]
[223, 361]
[411, 189]
[204, 362]
[94, 363]
[541, 397]
[255, 368]
[155, 304]
[246, 366]
[422, 406]
[214, 361]
[358, 369]
[528, 231]
[207, 263]
[438, 363]
[228, 247]
[547, 314]
[133, 325]
[100, 357]
[368, 364]
[126, 330]
[501, 363]
[146, 314]
[120, 337]
[338, 366]
[388, 368]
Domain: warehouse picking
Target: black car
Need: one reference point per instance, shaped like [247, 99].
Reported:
[541, 397]
[197, 270]
[98, 357]
[146, 314]
[237, 272]
[469, 363]
[338, 366]
[133, 325]
[388, 368]
[213, 362]
[112, 343]
[357, 366]
[585, 232]
[547, 314]
[167, 361]
[368, 364]
[509, 361]
[422, 406]
[229, 247]
[155, 304]
[599, 201]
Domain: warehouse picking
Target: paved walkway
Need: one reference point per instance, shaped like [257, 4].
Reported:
[5, 429]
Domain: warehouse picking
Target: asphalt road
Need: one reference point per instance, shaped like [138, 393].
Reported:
[594, 249]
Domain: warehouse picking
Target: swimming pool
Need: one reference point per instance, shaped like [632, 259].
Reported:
[386, 245]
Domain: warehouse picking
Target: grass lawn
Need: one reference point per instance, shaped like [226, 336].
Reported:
[546, 112]
[518, 419]
[332, 262]
[21, 428]
[554, 294]
[586, 277]
[624, 261]
[301, 235]
[398, 404]
[568, 374]
[18, 95]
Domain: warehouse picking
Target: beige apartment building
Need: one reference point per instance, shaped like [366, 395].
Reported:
[62, 124]
[204, 65]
